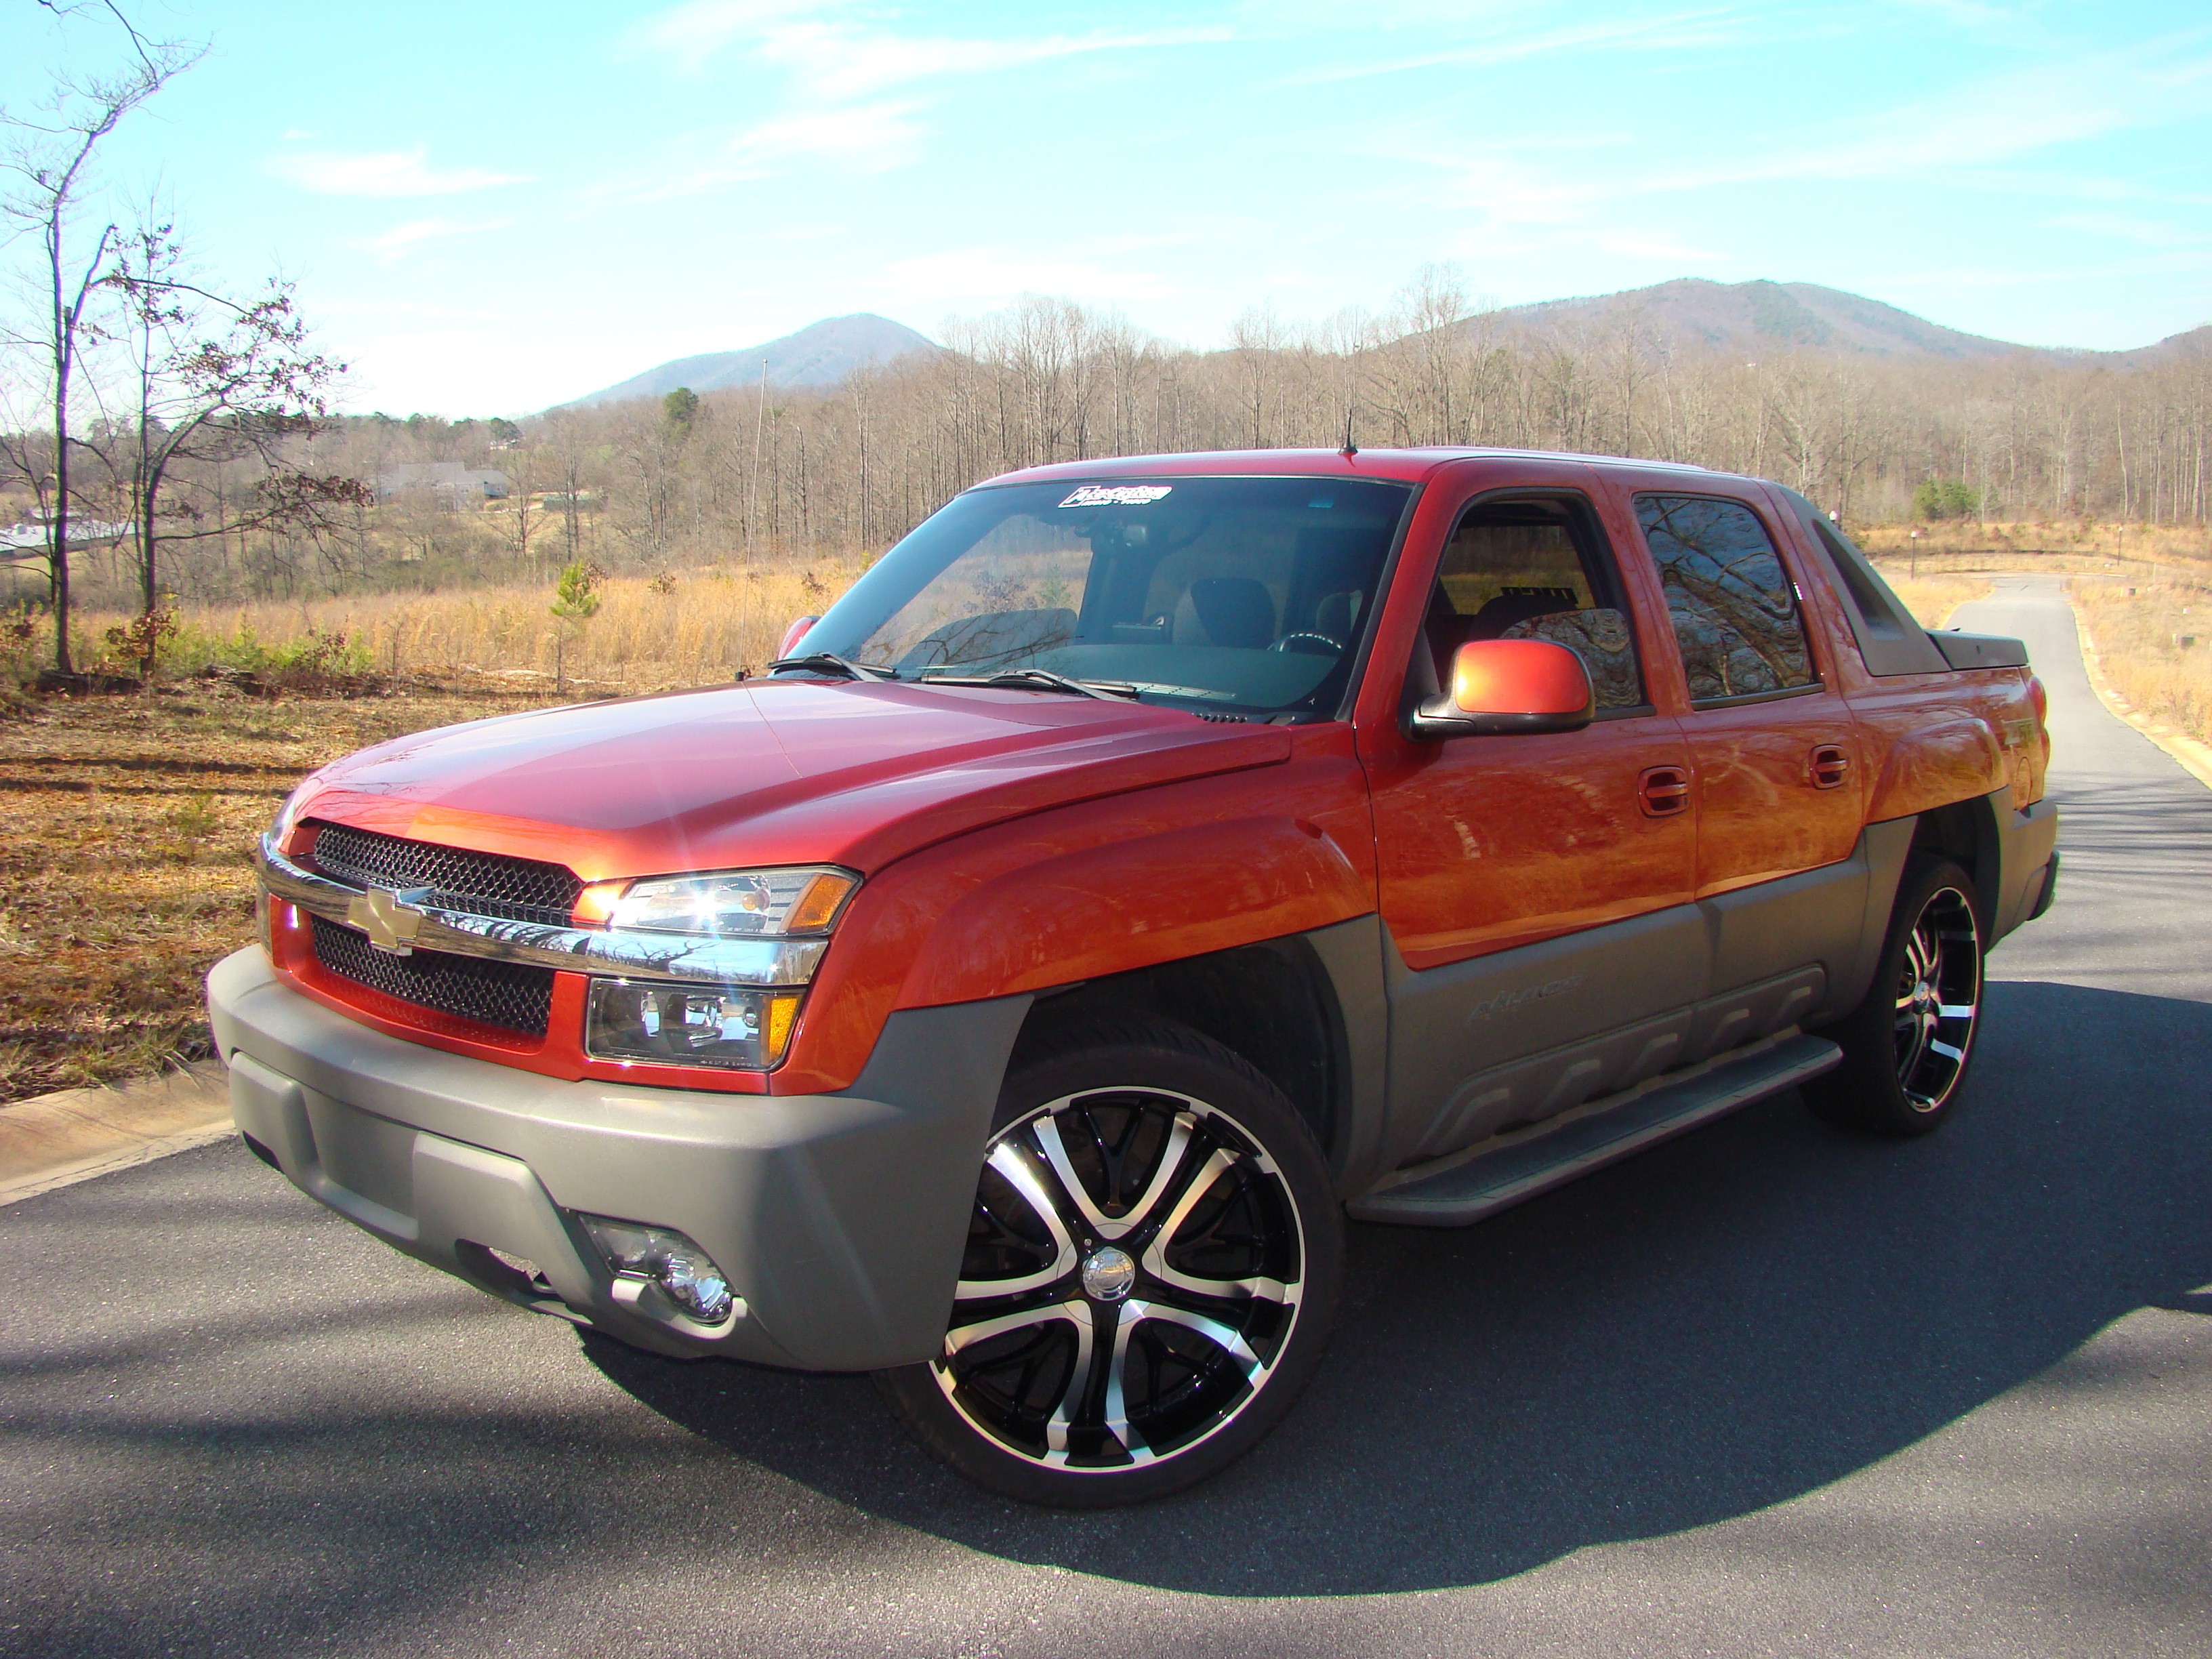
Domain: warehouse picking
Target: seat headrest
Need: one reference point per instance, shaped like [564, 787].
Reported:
[1336, 615]
[1232, 611]
[1509, 608]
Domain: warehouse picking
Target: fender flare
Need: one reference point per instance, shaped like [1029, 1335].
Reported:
[1118, 906]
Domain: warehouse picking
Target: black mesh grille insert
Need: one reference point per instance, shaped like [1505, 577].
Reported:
[481, 884]
[512, 995]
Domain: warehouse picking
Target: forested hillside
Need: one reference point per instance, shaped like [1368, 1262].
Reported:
[654, 483]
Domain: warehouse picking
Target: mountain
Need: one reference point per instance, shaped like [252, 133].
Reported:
[2196, 343]
[821, 353]
[1752, 317]
[1689, 313]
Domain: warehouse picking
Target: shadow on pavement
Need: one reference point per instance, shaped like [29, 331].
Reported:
[1724, 1323]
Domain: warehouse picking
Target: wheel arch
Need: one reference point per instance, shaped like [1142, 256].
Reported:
[1297, 1009]
[1966, 832]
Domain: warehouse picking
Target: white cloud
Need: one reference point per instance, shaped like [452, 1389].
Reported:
[836, 61]
[400, 240]
[1676, 32]
[1973, 14]
[1975, 135]
[832, 56]
[2000, 119]
[979, 276]
[1660, 248]
[870, 138]
[2130, 228]
[382, 173]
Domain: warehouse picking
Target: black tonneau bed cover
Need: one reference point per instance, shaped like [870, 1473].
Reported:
[1979, 650]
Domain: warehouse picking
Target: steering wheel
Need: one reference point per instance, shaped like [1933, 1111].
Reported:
[1309, 645]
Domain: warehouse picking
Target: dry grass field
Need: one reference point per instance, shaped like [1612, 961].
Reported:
[1959, 545]
[2155, 641]
[124, 875]
[680, 628]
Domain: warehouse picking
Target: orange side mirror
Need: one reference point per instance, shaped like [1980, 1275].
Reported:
[1503, 686]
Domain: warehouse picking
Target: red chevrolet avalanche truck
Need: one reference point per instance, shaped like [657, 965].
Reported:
[1145, 866]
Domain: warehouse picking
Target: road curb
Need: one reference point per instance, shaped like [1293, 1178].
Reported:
[2193, 757]
[74, 1135]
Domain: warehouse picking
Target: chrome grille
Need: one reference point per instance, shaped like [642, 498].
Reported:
[512, 995]
[479, 883]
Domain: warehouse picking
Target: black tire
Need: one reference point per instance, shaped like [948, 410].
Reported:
[1907, 1046]
[1175, 1270]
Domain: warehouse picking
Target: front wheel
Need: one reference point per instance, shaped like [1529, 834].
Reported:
[1150, 1277]
[1906, 1047]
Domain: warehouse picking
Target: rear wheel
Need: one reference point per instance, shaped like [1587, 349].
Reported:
[1149, 1277]
[1907, 1046]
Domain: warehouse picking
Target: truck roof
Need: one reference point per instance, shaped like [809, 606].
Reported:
[1409, 464]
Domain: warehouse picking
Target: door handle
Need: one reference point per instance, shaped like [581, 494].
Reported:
[1827, 766]
[1663, 791]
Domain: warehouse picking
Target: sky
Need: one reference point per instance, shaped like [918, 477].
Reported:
[489, 208]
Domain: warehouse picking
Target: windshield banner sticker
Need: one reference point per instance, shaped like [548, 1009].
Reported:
[1117, 495]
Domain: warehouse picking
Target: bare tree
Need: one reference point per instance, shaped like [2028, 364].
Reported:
[214, 379]
[49, 160]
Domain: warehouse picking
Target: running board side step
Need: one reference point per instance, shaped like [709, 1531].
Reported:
[1547, 1155]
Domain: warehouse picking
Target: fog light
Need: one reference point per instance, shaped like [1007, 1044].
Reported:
[688, 1025]
[668, 1259]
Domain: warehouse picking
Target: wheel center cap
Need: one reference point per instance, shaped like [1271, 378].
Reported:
[1107, 1273]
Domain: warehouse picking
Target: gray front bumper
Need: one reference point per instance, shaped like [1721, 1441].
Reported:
[838, 1219]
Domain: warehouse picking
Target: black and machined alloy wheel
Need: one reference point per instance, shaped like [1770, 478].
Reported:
[1906, 1047]
[1151, 1271]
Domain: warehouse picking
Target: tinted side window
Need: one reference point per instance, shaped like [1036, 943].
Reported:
[1535, 569]
[1734, 608]
[1890, 641]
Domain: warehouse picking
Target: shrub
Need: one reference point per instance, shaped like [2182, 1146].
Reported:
[1946, 498]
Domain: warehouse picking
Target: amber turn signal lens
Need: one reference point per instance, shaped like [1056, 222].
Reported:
[783, 1015]
[817, 906]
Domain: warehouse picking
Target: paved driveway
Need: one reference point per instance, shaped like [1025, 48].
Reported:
[1768, 1390]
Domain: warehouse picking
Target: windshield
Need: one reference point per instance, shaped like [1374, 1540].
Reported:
[1241, 595]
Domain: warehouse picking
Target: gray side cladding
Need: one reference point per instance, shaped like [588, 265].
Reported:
[1481, 1046]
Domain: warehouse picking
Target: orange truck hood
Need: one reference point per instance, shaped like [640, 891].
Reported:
[768, 771]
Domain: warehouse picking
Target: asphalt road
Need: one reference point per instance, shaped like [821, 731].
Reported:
[1766, 1389]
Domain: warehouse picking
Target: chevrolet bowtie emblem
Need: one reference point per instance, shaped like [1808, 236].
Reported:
[391, 920]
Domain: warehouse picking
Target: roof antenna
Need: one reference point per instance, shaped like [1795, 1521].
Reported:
[1350, 448]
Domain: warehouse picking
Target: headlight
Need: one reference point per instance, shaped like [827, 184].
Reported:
[687, 1024]
[735, 903]
[731, 1024]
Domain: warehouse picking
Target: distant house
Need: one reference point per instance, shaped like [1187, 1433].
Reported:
[453, 483]
[28, 539]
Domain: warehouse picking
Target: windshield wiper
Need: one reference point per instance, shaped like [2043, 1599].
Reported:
[831, 663]
[1040, 679]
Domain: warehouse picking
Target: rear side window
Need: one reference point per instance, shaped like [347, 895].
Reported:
[1732, 603]
[1890, 641]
